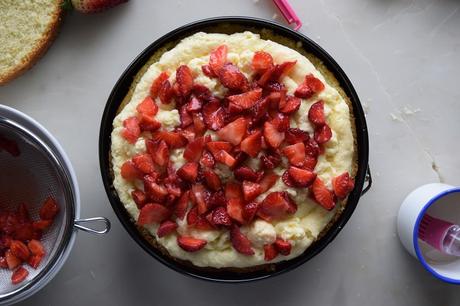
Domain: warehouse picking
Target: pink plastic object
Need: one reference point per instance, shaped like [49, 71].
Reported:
[433, 230]
[288, 13]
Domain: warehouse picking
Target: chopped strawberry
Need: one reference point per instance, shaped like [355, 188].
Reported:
[220, 217]
[252, 144]
[147, 123]
[212, 180]
[245, 173]
[174, 140]
[295, 153]
[159, 151]
[225, 158]
[12, 261]
[235, 209]
[268, 181]
[41, 225]
[283, 246]
[190, 244]
[234, 131]
[139, 197]
[203, 224]
[276, 205]
[217, 199]
[156, 85]
[166, 227]
[19, 249]
[185, 117]
[240, 242]
[182, 205]
[129, 171]
[144, 163]
[323, 134]
[153, 213]
[274, 73]
[246, 100]
[316, 113]
[291, 106]
[207, 70]
[218, 58]
[312, 148]
[165, 92]
[194, 149]
[303, 91]
[35, 260]
[301, 177]
[214, 115]
[192, 216]
[309, 87]
[309, 163]
[155, 192]
[270, 161]
[24, 231]
[280, 122]
[201, 197]
[193, 105]
[188, 171]
[270, 252]
[233, 191]
[201, 92]
[294, 135]
[322, 195]
[251, 190]
[216, 146]
[19, 275]
[131, 130]
[261, 61]
[287, 179]
[184, 78]
[49, 209]
[147, 107]
[259, 111]
[232, 78]
[343, 185]
[198, 124]
[36, 247]
[272, 136]
[250, 210]
[207, 160]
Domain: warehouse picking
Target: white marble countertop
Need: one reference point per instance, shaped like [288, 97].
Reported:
[403, 58]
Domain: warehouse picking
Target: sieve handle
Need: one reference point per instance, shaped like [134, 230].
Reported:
[78, 223]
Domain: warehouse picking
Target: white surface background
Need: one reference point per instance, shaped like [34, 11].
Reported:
[401, 55]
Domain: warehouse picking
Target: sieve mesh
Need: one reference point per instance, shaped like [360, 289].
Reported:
[30, 178]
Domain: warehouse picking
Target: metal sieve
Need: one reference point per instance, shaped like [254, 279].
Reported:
[41, 170]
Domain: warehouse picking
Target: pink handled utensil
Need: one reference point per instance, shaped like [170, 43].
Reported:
[441, 235]
[288, 13]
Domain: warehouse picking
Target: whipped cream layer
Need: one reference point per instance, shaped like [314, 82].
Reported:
[300, 229]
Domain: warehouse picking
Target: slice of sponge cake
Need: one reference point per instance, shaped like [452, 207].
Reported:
[27, 28]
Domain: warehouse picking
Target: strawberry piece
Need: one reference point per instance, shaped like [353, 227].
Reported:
[147, 123]
[323, 134]
[185, 117]
[343, 185]
[24, 231]
[252, 144]
[12, 261]
[245, 173]
[173, 140]
[193, 105]
[190, 244]
[203, 224]
[212, 180]
[287, 179]
[192, 216]
[280, 122]
[194, 149]
[41, 225]
[268, 181]
[207, 70]
[251, 190]
[188, 171]
[276, 205]
[295, 153]
[232, 78]
[166, 227]
[249, 211]
[291, 106]
[303, 91]
[19, 276]
[131, 130]
[35, 260]
[322, 195]
[153, 213]
[201, 92]
[282, 246]
[216, 146]
[9, 146]
[184, 78]
[36, 247]
[139, 197]
[312, 148]
[220, 217]
[217, 199]
[294, 135]
[214, 115]
[129, 172]
[147, 107]
[310, 163]
[218, 58]
[166, 92]
[309, 87]
[234, 131]
[233, 191]
[246, 100]
[49, 209]
[270, 252]
[316, 113]
[301, 177]
[19, 249]
[159, 151]
[259, 111]
[156, 85]
[240, 242]
[207, 160]
[201, 197]
[270, 161]
[198, 124]
[225, 158]
[182, 205]
[261, 61]
[274, 73]
[235, 209]
[144, 163]
[272, 136]
[155, 192]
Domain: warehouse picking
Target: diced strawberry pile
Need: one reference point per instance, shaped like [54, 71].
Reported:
[251, 121]
[20, 238]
